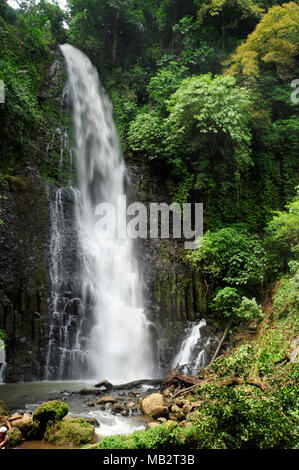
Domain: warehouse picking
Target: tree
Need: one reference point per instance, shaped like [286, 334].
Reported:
[211, 112]
[166, 81]
[231, 256]
[273, 43]
[283, 229]
[231, 16]
[229, 306]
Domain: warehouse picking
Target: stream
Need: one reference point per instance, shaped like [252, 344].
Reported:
[21, 397]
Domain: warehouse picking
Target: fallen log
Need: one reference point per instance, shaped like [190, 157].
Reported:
[181, 379]
[104, 383]
[128, 385]
[189, 389]
[137, 383]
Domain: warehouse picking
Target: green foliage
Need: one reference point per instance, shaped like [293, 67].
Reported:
[277, 49]
[287, 298]
[226, 301]
[214, 109]
[228, 305]
[73, 432]
[165, 83]
[284, 227]
[46, 17]
[232, 256]
[24, 56]
[146, 134]
[2, 335]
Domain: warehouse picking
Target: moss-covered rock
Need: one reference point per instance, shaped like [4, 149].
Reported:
[3, 409]
[14, 437]
[49, 412]
[73, 432]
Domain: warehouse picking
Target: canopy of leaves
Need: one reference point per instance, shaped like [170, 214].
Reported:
[228, 304]
[164, 83]
[231, 256]
[284, 227]
[274, 42]
[204, 105]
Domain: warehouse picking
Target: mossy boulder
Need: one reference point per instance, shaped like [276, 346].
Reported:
[49, 412]
[14, 437]
[73, 432]
[3, 409]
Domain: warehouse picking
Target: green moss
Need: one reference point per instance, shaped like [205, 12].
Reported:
[50, 411]
[73, 432]
[15, 437]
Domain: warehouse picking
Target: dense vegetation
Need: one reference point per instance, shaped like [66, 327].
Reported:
[202, 101]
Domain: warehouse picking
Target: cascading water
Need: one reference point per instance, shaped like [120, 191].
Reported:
[2, 361]
[119, 341]
[193, 352]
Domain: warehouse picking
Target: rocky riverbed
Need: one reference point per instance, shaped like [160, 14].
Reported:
[89, 413]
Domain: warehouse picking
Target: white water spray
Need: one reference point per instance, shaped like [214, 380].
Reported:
[119, 343]
[192, 355]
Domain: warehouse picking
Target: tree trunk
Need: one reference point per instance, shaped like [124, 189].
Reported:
[222, 339]
[115, 38]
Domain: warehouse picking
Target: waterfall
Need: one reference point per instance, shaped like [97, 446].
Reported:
[2, 361]
[193, 351]
[118, 346]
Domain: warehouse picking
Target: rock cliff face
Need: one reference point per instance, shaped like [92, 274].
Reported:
[174, 294]
[24, 287]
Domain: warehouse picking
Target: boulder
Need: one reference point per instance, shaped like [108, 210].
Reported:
[73, 432]
[159, 411]
[152, 424]
[176, 413]
[162, 420]
[105, 400]
[14, 437]
[182, 402]
[118, 408]
[93, 421]
[50, 411]
[187, 408]
[151, 402]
